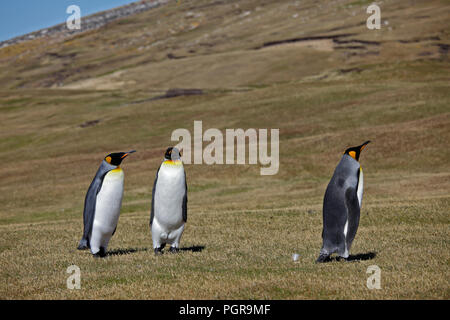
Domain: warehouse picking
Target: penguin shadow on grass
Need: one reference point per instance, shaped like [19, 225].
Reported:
[353, 257]
[122, 251]
[191, 249]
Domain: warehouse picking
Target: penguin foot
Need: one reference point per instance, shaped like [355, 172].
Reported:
[158, 251]
[101, 253]
[174, 250]
[323, 258]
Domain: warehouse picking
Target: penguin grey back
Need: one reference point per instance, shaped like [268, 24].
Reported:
[341, 207]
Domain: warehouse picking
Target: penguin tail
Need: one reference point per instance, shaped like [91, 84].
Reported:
[83, 245]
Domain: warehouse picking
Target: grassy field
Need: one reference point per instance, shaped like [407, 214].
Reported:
[66, 103]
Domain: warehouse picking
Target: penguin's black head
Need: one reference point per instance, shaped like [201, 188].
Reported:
[355, 152]
[172, 154]
[115, 159]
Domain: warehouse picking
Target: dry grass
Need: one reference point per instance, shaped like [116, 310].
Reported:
[248, 225]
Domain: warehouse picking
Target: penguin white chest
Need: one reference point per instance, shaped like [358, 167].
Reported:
[109, 202]
[169, 193]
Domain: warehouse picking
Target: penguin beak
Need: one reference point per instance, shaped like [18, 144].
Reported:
[364, 145]
[126, 154]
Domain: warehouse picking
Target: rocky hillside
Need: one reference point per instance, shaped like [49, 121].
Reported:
[117, 45]
[90, 22]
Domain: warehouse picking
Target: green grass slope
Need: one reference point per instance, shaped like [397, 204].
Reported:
[67, 102]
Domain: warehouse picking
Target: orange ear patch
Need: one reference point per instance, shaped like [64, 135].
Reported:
[352, 154]
[108, 159]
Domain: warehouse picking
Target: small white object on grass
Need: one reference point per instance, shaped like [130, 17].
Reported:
[295, 257]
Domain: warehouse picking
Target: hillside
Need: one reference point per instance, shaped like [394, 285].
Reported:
[311, 69]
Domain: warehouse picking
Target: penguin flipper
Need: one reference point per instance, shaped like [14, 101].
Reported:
[353, 213]
[152, 211]
[334, 218]
[184, 206]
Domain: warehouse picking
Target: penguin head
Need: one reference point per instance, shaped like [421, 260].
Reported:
[355, 152]
[172, 154]
[115, 159]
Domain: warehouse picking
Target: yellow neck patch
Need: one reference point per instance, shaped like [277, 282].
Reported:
[116, 170]
[173, 163]
[352, 154]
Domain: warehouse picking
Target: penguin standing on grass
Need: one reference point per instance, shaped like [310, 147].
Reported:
[102, 205]
[342, 205]
[169, 203]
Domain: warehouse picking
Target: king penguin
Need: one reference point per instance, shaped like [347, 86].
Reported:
[169, 203]
[342, 204]
[102, 205]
